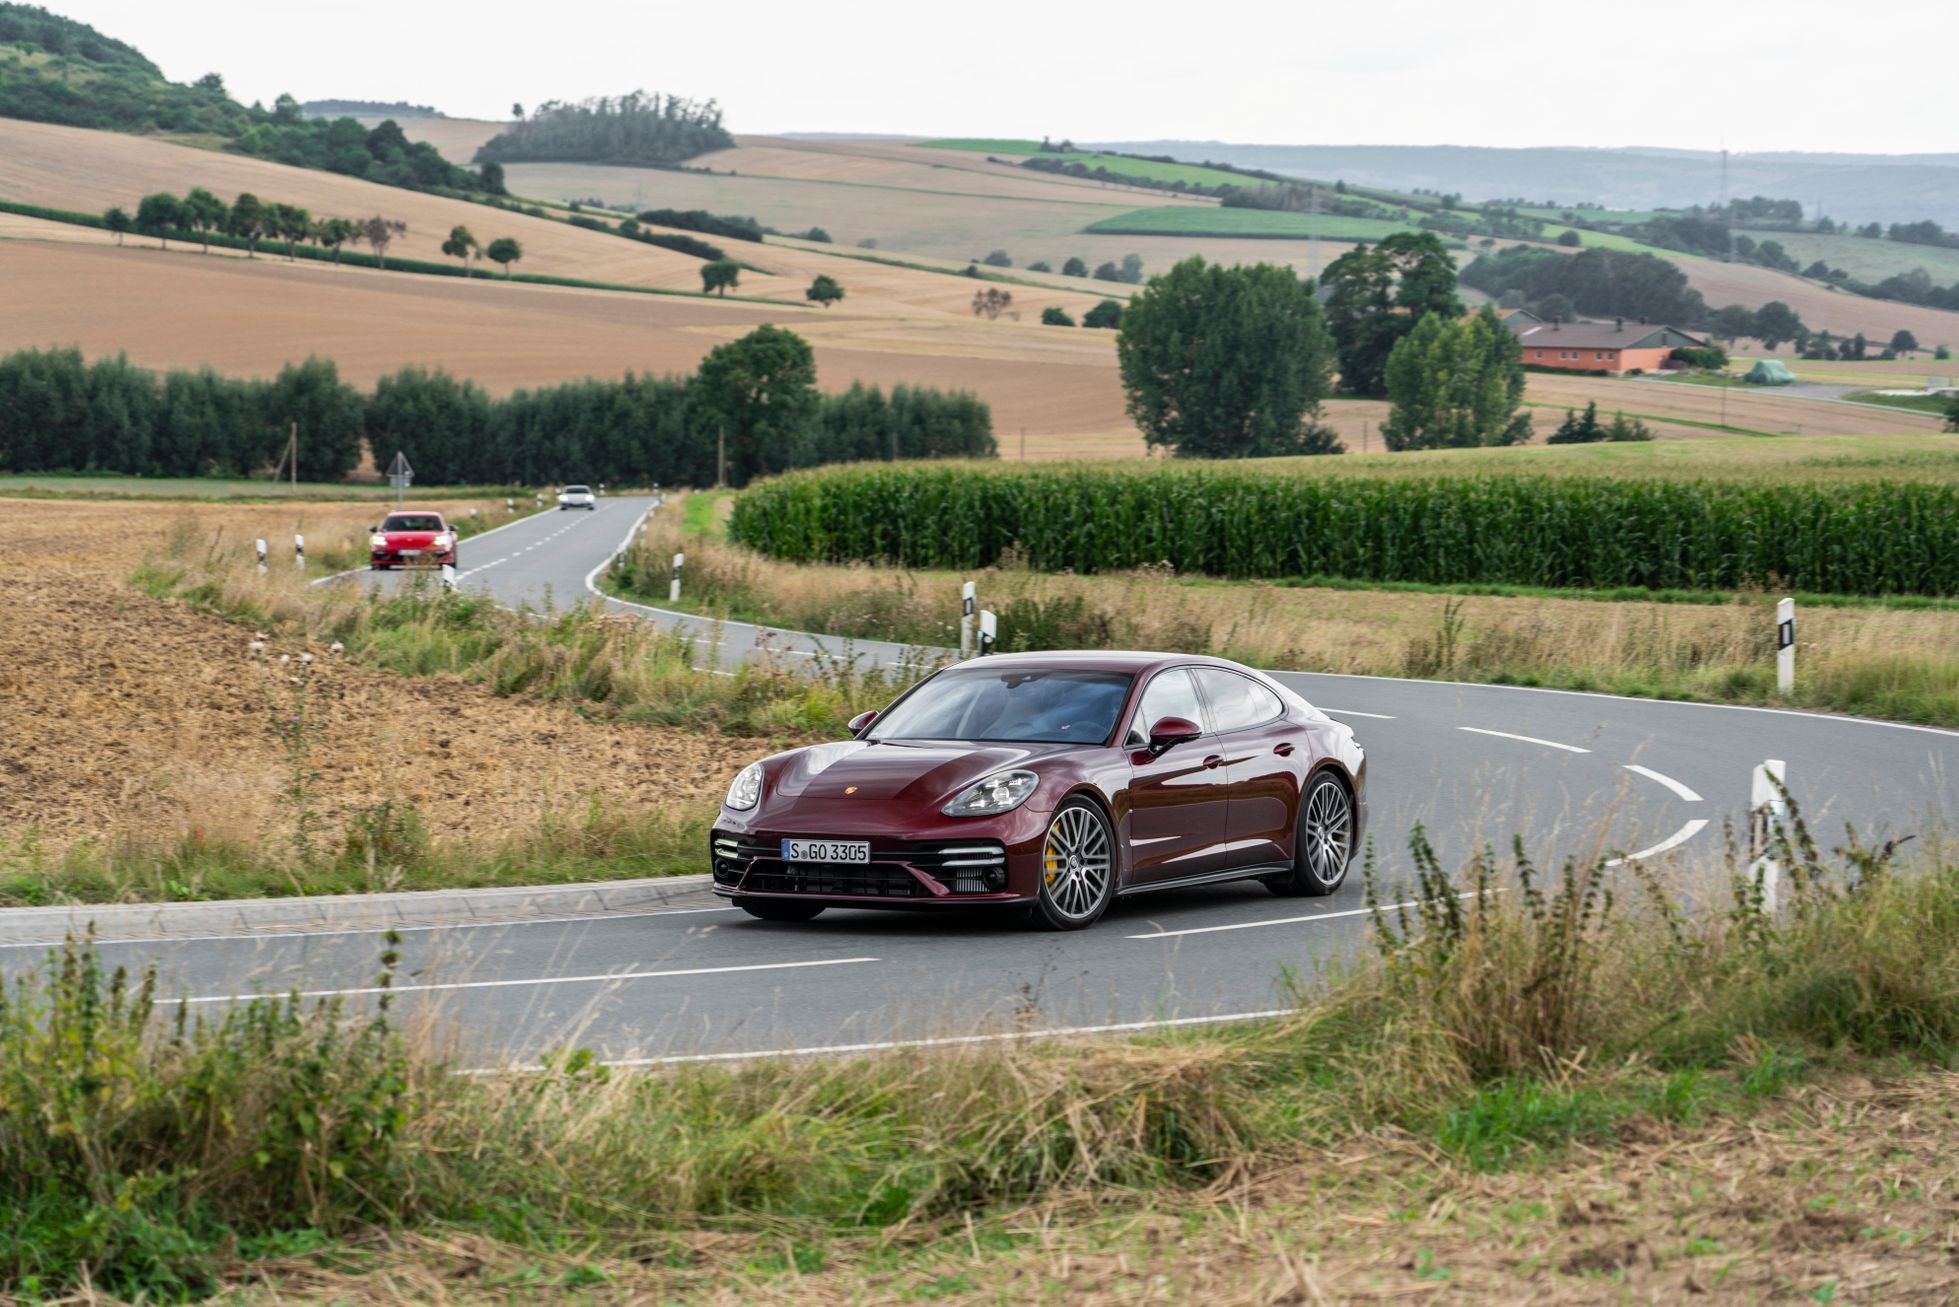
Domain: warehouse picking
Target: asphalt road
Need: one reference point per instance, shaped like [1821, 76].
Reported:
[1654, 782]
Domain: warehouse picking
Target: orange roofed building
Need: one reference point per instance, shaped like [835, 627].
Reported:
[1617, 346]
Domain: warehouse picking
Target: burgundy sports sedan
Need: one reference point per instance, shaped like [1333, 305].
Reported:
[1054, 782]
[410, 536]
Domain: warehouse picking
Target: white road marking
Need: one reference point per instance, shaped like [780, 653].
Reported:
[1291, 921]
[532, 980]
[943, 1041]
[1672, 841]
[1355, 712]
[1527, 739]
[1667, 781]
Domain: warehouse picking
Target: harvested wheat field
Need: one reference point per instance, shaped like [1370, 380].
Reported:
[131, 718]
[1758, 409]
[250, 318]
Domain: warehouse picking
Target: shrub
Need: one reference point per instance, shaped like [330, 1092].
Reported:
[1053, 316]
[1107, 314]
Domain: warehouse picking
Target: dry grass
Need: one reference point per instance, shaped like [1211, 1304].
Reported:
[1842, 1191]
[1891, 662]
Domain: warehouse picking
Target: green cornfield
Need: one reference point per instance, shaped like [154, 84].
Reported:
[1862, 538]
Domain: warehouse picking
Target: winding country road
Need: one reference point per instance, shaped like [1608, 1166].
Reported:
[1653, 781]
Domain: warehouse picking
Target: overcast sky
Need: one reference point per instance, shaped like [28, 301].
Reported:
[1797, 74]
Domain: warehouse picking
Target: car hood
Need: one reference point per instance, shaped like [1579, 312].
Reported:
[411, 539]
[920, 771]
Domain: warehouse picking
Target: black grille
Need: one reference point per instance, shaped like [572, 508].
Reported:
[964, 867]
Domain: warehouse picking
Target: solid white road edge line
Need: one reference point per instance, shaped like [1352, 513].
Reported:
[1667, 781]
[1672, 841]
[1292, 921]
[260, 937]
[531, 980]
[943, 1041]
[1527, 739]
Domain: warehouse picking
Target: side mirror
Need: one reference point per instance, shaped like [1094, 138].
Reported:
[861, 722]
[1170, 731]
[374, 530]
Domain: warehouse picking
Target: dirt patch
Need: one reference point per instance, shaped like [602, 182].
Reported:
[126, 716]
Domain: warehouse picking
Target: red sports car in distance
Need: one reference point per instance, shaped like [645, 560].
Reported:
[410, 536]
[1052, 782]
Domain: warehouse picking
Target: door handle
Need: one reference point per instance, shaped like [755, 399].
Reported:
[1213, 760]
[1283, 748]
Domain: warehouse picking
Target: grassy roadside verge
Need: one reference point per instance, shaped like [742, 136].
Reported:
[1887, 659]
[1485, 1035]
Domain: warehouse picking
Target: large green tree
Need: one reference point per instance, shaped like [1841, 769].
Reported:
[1227, 362]
[248, 221]
[1455, 381]
[504, 251]
[1375, 296]
[160, 214]
[461, 245]
[759, 393]
[1776, 322]
[719, 274]
[204, 213]
[330, 414]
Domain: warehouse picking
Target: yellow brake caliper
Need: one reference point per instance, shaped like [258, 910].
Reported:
[1053, 860]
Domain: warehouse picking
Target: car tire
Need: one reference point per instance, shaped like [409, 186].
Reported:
[1324, 845]
[780, 909]
[1078, 868]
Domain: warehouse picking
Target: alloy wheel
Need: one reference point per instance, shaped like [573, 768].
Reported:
[1325, 830]
[1077, 864]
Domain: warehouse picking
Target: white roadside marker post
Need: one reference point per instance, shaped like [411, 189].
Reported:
[260, 545]
[509, 505]
[1767, 809]
[673, 591]
[448, 576]
[1785, 646]
[968, 605]
[299, 551]
[988, 629]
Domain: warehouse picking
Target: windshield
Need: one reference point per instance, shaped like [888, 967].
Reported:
[412, 522]
[578, 490]
[1019, 705]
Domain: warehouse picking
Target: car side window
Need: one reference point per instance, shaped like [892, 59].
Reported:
[1237, 702]
[1169, 694]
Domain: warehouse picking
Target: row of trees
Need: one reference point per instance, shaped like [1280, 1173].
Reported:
[1602, 283]
[1107, 314]
[248, 220]
[1233, 362]
[59, 412]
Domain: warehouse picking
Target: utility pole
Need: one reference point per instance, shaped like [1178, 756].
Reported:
[292, 446]
[720, 456]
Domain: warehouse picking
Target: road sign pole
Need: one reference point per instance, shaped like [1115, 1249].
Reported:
[1785, 646]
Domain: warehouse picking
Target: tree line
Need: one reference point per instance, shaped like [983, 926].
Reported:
[754, 399]
[1605, 283]
[1221, 362]
[633, 128]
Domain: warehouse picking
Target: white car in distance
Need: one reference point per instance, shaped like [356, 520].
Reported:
[577, 497]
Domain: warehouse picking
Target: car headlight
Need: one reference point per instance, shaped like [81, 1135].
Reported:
[442, 542]
[378, 541]
[746, 789]
[1001, 792]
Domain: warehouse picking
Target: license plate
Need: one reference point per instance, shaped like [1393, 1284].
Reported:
[410, 553]
[826, 851]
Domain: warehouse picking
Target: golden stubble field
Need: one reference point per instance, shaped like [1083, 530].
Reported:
[131, 718]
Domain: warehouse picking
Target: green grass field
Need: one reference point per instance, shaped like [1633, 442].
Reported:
[1605, 240]
[1190, 173]
[1866, 260]
[984, 145]
[1933, 404]
[1258, 223]
[1556, 214]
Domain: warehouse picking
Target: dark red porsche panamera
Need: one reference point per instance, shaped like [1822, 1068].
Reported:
[1052, 781]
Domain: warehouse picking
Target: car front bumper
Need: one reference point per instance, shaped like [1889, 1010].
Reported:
[425, 558]
[933, 862]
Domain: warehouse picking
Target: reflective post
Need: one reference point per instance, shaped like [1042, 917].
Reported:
[1767, 810]
[673, 591]
[968, 605]
[298, 550]
[1785, 646]
[260, 545]
[988, 629]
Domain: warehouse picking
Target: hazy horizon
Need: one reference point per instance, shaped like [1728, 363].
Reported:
[1097, 71]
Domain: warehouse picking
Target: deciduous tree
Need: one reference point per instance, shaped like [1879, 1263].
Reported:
[461, 245]
[718, 275]
[1227, 362]
[760, 391]
[1074, 267]
[159, 215]
[1776, 322]
[1377, 295]
[117, 221]
[824, 290]
[1107, 314]
[247, 222]
[1054, 316]
[204, 213]
[379, 233]
[504, 251]
[1454, 382]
